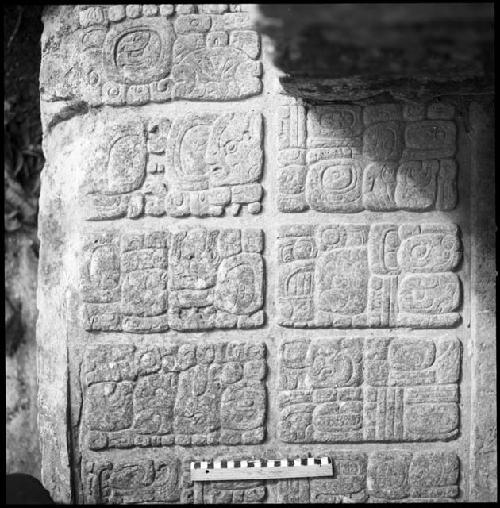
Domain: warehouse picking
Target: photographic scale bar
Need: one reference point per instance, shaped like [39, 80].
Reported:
[260, 469]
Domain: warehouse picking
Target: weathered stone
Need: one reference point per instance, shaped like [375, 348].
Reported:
[412, 476]
[483, 485]
[344, 52]
[350, 389]
[358, 477]
[135, 481]
[181, 394]
[197, 165]
[109, 51]
[385, 165]
[378, 477]
[195, 279]
[232, 492]
[345, 276]
[150, 283]
[347, 485]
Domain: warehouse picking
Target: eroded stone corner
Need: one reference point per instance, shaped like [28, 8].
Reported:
[120, 55]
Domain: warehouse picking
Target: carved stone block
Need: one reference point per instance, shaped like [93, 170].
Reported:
[412, 476]
[183, 394]
[379, 477]
[139, 54]
[356, 276]
[193, 279]
[391, 476]
[382, 157]
[348, 484]
[376, 389]
[197, 165]
[231, 492]
[140, 481]
[133, 481]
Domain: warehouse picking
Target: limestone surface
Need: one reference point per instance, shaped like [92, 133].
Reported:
[194, 279]
[184, 394]
[231, 273]
[379, 275]
[350, 389]
[198, 165]
[383, 157]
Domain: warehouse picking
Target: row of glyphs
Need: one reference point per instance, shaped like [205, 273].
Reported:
[331, 391]
[207, 164]
[341, 276]
[382, 157]
[356, 275]
[136, 54]
[358, 477]
[187, 394]
[378, 389]
[197, 165]
[193, 279]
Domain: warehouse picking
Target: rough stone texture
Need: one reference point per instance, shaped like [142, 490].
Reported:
[484, 481]
[191, 333]
[382, 157]
[349, 390]
[194, 279]
[344, 52]
[357, 275]
[196, 165]
[134, 55]
[183, 394]
[359, 477]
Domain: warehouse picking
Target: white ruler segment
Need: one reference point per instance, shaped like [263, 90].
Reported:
[260, 469]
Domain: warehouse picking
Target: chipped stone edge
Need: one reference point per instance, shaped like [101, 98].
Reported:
[52, 361]
[483, 447]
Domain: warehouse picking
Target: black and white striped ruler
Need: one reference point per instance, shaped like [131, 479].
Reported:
[260, 469]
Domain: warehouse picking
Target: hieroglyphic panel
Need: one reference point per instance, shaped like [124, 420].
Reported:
[347, 485]
[183, 394]
[376, 389]
[136, 54]
[193, 279]
[347, 158]
[356, 276]
[379, 477]
[138, 481]
[199, 165]
[231, 492]
[413, 476]
[391, 476]
[133, 481]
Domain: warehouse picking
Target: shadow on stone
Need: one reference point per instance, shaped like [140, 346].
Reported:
[25, 489]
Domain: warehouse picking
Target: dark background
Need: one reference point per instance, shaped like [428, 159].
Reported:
[23, 161]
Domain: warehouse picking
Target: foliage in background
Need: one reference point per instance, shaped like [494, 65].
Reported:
[23, 158]
[23, 161]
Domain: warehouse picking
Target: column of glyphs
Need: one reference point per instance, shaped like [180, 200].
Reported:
[183, 145]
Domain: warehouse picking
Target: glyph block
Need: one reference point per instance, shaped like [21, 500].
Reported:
[357, 276]
[381, 157]
[375, 389]
[146, 397]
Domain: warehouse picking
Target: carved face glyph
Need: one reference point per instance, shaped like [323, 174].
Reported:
[234, 153]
